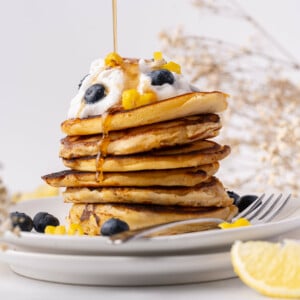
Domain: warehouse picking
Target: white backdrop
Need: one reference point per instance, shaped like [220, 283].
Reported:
[47, 46]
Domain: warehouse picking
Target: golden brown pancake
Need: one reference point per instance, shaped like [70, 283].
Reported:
[177, 177]
[144, 138]
[205, 194]
[173, 108]
[92, 216]
[185, 156]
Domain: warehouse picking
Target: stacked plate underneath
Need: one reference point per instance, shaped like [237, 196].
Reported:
[174, 259]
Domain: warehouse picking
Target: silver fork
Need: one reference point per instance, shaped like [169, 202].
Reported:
[260, 211]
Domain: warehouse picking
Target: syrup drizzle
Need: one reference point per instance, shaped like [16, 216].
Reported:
[131, 74]
[106, 117]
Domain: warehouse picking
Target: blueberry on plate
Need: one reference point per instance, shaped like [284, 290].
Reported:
[234, 196]
[113, 226]
[160, 77]
[42, 219]
[81, 81]
[245, 201]
[94, 93]
[21, 220]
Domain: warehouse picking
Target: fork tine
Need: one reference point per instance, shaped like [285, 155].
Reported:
[265, 213]
[260, 209]
[250, 208]
[277, 210]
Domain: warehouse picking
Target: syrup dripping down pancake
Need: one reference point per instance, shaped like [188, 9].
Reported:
[177, 177]
[144, 138]
[190, 155]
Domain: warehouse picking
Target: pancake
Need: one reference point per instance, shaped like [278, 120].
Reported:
[179, 177]
[208, 193]
[173, 108]
[186, 156]
[144, 138]
[92, 216]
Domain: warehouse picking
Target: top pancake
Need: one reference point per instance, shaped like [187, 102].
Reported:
[169, 109]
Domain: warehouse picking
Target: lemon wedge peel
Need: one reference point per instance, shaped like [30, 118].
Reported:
[269, 268]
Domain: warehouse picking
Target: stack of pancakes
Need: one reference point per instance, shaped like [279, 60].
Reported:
[148, 165]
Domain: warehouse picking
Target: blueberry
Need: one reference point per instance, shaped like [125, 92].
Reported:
[245, 201]
[94, 93]
[159, 77]
[113, 226]
[81, 81]
[21, 220]
[234, 196]
[42, 219]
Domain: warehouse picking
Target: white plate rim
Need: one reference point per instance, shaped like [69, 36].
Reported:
[197, 241]
[119, 270]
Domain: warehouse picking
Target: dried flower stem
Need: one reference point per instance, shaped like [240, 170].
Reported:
[262, 123]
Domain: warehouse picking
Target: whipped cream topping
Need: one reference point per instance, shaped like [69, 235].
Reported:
[114, 80]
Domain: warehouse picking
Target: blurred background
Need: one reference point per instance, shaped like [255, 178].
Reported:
[47, 47]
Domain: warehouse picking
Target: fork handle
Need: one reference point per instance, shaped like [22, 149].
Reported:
[129, 235]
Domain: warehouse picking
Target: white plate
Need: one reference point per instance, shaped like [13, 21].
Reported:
[199, 242]
[119, 271]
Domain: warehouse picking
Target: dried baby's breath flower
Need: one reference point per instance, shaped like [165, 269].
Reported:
[4, 209]
[262, 124]
[3, 247]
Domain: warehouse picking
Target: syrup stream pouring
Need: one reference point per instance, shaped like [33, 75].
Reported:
[115, 35]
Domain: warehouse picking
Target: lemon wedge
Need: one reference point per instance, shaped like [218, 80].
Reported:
[42, 191]
[272, 269]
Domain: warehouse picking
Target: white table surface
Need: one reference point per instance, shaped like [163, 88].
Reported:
[13, 286]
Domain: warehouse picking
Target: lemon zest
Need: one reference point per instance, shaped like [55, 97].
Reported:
[49, 229]
[75, 229]
[60, 230]
[132, 98]
[241, 222]
[147, 98]
[157, 55]
[172, 66]
[113, 59]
